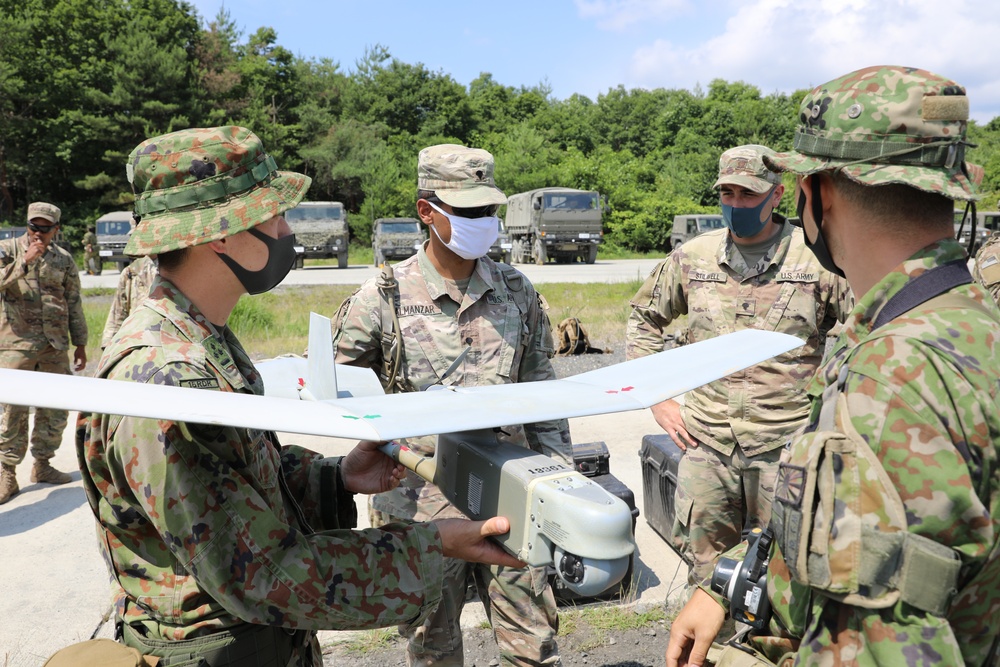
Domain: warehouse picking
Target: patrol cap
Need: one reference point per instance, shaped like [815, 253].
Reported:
[203, 184]
[744, 166]
[40, 209]
[458, 175]
[882, 125]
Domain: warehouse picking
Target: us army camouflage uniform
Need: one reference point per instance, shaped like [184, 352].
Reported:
[438, 322]
[91, 254]
[209, 527]
[133, 286]
[925, 400]
[741, 421]
[42, 316]
[987, 267]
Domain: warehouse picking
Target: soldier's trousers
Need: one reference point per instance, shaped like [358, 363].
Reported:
[519, 604]
[718, 498]
[49, 424]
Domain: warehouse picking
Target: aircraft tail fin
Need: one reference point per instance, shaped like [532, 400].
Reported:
[322, 369]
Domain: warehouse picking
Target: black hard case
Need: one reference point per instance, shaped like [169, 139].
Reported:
[660, 457]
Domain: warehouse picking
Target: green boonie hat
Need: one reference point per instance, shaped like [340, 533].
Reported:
[203, 184]
[44, 210]
[882, 125]
[458, 175]
[744, 166]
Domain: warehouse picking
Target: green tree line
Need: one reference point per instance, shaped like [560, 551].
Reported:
[82, 82]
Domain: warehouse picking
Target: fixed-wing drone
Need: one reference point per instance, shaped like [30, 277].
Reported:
[556, 515]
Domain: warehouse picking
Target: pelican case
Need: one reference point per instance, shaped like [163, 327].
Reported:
[592, 460]
[660, 457]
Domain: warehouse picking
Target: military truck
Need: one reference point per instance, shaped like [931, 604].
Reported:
[320, 229]
[686, 227]
[500, 251]
[396, 239]
[554, 223]
[113, 230]
[987, 222]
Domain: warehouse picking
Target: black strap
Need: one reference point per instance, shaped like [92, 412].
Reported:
[923, 288]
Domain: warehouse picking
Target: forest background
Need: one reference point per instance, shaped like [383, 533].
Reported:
[82, 82]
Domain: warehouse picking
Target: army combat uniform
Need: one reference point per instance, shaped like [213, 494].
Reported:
[497, 322]
[740, 421]
[987, 266]
[133, 286]
[42, 316]
[212, 532]
[921, 393]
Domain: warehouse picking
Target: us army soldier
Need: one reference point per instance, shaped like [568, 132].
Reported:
[755, 274]
[886, 522]
[226, 548]
[134, 284]
[42, 316]
[91, 253]
[455, 317]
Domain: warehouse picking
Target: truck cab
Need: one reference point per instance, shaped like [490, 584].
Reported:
[395, 239]
[320, 229]
[686, 227]
[113, 230]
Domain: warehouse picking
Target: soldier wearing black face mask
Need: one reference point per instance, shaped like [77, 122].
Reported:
[756, 273]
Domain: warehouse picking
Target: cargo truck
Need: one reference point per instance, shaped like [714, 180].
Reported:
[554, 223]
[320, 229]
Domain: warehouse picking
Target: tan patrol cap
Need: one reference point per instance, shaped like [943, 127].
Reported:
[744, 166]
[40, 209]
[458, 175]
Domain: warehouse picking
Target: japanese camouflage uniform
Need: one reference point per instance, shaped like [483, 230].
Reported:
[987, 266]
[887, 512]
[499, 319]
[223, 545]
[744, 418]
[42, 317]
[133, 286]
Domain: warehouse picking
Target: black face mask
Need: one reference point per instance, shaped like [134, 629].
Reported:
[280, 258]
[818, 247]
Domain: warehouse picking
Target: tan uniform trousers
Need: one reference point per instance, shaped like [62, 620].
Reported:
[49, 424]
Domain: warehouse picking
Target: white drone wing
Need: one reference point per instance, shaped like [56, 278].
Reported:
[361, 411]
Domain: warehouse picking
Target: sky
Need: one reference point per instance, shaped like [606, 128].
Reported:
[591, 46]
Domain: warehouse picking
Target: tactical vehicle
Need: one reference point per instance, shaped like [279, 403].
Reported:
[555, 223]
[500, 251]
[113, 230]
[320, 229]
[396, 239]
[11, 232]
[686, 227]
[987, 222]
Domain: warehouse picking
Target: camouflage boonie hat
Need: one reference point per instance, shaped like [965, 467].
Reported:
[882, 125]
[744, 166]
[40, 209]
[459, 176]
[200, 185]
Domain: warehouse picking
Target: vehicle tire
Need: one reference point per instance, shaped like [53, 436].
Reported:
[121, 266]
[517, 252]
[507, 256]
[592, 254]
[342, 260]
[300, 261]
[538, 254]
[678, 244]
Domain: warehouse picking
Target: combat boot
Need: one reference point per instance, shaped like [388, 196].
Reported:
[8, 484]
[44, 473]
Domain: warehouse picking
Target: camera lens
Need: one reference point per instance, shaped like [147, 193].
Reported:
[724, 575]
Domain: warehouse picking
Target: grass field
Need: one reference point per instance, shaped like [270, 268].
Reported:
[278, 322]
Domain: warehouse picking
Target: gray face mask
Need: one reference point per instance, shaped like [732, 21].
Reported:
[280, 258]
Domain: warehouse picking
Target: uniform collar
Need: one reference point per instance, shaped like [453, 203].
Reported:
[730, 255]
[481, 282]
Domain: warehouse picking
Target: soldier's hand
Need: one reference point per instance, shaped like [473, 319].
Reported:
[367, 470]
[468, 540]
[694, 630]
[80, 358]
[668, 415]
[35, 250]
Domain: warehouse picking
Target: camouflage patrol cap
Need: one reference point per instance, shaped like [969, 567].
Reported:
[744, 166]
[40, 209]
[201, 185]
[882, 125]
[458, 175]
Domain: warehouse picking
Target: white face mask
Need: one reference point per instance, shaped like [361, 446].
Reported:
[471, 238]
